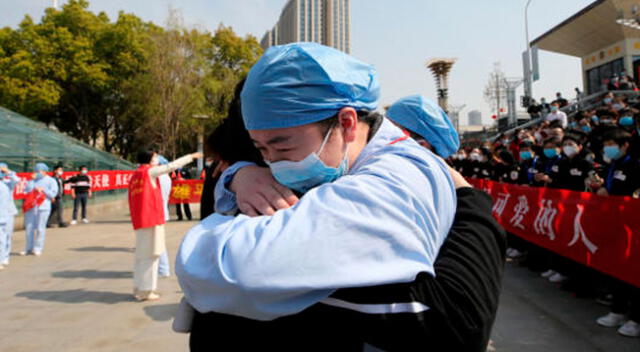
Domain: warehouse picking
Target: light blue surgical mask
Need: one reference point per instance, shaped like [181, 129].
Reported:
[39, 176]
[595, 118]
[608, 100]
[612, 152]
[309, 172]
[626, 121]
[550, 152]
[586, 128]
[554, 108]
[526, 155]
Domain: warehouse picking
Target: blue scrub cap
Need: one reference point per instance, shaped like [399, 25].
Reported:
[427, 119]
[301, 83]
[41, 167]
[162, 160]
[3, 165]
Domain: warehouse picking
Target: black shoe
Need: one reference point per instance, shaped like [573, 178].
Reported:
[64, 224]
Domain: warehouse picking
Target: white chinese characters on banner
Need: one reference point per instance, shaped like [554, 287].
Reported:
[543, 224]
[521, 209]
[501, 203]
[578, 232]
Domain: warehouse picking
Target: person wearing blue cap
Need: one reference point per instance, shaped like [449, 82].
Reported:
[376, 206]
[44, 189]
[427, 123]
[10, 179]
[164, 270]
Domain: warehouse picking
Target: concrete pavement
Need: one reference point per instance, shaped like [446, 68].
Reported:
[77, 297]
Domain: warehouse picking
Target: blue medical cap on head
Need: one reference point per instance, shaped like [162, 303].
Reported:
[427, 119]
[41, 167]
[301, 83]
[3, 165]
[162, 160]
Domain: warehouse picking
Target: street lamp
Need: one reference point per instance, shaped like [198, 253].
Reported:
[528, 84]
[200, 161]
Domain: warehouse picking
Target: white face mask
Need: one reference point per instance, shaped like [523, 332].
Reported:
[84, 172]
[569, 150]
[475, 156]
[59, 173]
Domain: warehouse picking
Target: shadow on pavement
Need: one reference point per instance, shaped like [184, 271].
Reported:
[92, 274]
[102, 249]
[77, 296]
[162, 312]
[111, 222]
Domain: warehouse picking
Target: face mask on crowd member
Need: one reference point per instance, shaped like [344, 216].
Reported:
[40, 170]
[84, 171]
[626, 121]
[571, 148]
[616, 144]
[554, 108]
[424, 118]
[551, 149]
[59, 171]
[526, 153]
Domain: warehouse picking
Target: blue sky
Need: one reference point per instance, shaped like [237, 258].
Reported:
[398, 37]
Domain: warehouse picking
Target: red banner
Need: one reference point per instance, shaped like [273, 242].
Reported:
[600, 232]
[186, 191]
[183, 191]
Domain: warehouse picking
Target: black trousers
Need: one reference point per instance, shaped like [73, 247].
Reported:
[626, 299]
[81, 199]
[187, 210]
[56, 213]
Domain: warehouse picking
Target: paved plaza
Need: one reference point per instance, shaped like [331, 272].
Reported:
[77, 297]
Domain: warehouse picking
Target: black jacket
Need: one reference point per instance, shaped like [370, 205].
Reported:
[462, 301]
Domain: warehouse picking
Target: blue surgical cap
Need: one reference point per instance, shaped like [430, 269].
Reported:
[41, 167]
[3, 165]
[162, 160]
[427, 119]
[301, 83]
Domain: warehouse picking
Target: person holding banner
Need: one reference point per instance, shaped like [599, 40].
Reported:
[621, 178]
[10, 179]
[41, 192]
[148, 219]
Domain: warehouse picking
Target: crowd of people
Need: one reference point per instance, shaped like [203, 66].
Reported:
[595, 150]
[42, 207]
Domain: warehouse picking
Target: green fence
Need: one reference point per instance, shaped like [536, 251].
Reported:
[25, 142]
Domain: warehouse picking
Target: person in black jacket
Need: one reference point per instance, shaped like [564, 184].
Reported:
[574, 168]
[80, 192]
[530, 164]
[56, 206]
[549, 174]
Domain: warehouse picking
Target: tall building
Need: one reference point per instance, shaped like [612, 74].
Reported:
[475, 118]
[321, 21]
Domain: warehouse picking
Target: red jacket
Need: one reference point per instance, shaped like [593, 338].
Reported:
[145, 201]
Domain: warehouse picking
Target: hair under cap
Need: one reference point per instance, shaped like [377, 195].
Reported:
[425, 118]
[301, 83]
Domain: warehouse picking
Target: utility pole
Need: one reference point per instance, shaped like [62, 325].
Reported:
[454, 114]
